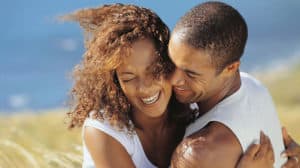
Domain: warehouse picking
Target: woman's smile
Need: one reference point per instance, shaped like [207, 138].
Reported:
[151, 99]
[148, 95]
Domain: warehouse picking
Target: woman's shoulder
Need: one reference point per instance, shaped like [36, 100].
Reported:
[102, 130]
[105, 125]
[103, 148]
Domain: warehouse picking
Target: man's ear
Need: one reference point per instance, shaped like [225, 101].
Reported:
[232, 68]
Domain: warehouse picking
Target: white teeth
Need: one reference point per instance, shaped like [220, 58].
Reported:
[151, 99]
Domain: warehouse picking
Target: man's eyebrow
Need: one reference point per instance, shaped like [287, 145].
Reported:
[192, 72]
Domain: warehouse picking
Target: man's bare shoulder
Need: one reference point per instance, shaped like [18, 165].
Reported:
[213, 146]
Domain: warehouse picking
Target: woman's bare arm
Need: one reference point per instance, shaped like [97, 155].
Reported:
[105, 150]
[258, 155]
[292, 151]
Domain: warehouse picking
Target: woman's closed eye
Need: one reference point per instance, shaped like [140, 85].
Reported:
[125, 80]
[127, 76]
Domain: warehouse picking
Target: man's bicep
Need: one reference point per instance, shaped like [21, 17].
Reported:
[105, 150]
[214, 146]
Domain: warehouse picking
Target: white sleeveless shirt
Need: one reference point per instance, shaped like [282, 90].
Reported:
[131, 143]
[246, 112]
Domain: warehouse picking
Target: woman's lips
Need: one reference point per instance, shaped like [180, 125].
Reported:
[151, 99]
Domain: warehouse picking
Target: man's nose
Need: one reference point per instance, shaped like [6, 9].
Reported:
[177, 78]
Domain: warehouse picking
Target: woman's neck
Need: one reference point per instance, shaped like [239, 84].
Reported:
[146, 123]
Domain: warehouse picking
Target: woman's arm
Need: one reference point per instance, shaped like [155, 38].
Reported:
[258, 155]
[262, 156]
[105, 150]
[292, 151]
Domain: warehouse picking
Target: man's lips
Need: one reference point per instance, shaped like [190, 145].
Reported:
[179, 89]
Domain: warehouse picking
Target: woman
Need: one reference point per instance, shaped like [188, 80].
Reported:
[123, 80]
[121, 93]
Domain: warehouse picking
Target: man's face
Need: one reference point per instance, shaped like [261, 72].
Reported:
[195, 78]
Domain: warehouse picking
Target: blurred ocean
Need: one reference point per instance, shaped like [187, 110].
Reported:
[38, 53]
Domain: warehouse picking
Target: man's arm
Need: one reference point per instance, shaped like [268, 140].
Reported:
[214, 146]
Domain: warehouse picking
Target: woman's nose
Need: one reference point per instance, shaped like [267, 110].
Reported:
[145, 86]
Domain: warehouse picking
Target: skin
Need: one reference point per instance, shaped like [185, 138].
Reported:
[207, 148]
[292, 151]
[158, 136]
[196, 79]
[138, 83]
[198, 151]
[155, 132]
[261, 155]
[104, 149]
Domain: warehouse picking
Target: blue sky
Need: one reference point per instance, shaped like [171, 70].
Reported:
[37, 52]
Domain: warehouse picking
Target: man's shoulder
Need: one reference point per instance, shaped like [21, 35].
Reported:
[253, 85]
[213, 146]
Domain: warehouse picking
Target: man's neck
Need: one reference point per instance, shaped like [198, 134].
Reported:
[231, 86]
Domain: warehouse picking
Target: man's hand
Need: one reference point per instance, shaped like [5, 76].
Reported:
[258, 155]
[292, 151]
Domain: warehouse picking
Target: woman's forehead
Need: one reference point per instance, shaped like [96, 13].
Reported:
[142, 54]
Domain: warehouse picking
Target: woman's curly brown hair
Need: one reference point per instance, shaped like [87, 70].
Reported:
[109, 32]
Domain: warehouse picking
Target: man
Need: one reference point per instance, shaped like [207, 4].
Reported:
[206, 46]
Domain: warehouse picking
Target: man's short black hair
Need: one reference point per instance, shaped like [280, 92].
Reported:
[217, 28]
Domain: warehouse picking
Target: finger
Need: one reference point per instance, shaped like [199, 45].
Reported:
[262, 137]
[264, 146]
[252, 150]
[286, 137]
[292, 150]
[291, 163]
[270, 152]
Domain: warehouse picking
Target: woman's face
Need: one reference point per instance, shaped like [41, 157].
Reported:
[146, 94]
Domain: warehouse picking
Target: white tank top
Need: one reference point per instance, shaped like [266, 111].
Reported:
[131, 143]
[246, 112]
